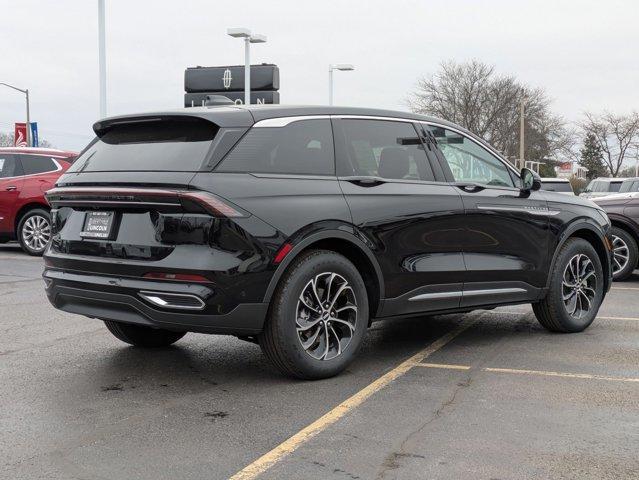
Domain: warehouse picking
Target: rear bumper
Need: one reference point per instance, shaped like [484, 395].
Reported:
[118, 299]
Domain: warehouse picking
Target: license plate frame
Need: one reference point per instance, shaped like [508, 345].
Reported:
[98, 225]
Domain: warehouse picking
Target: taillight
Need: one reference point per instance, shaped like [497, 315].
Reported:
[211, 204]
[180, 277]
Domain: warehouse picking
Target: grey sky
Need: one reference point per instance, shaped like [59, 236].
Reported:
[583, 52]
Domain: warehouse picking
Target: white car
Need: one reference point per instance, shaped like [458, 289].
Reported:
[601, 187]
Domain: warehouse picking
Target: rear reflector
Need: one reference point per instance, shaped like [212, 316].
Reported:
[180, 277]
[281, 254]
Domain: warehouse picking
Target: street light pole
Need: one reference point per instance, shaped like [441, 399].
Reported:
[26, 93]
[102, 58]
[247, 70]
[336, 66]
[245, 33]
[521, 132]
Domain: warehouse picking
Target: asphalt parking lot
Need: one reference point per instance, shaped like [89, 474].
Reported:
[487, 395]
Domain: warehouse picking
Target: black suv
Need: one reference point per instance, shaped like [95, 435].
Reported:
[296, 227]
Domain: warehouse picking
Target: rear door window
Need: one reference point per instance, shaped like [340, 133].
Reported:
[614, 186]
[34, 164]
[303, 147]
[179, 144]
[9, 167]
[384, 148]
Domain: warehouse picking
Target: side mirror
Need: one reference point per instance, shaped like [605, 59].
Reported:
[530, 181]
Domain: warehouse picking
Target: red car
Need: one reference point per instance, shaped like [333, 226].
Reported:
[25, 174]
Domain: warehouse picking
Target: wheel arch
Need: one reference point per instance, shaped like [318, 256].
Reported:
[625, 224]
[592, 235]
[24, 209]
[345, 244]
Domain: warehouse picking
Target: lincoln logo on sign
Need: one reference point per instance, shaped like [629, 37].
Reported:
[227, 78]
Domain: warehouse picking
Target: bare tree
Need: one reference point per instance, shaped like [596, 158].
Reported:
[6, 140]
[474, 96]
[616, 136]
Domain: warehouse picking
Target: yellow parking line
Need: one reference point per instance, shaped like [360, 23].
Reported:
[586, 376]
[514, 312]
[287, 447]
[445, 366]
[618, 318]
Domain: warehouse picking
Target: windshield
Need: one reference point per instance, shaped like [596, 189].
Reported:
[167, 144]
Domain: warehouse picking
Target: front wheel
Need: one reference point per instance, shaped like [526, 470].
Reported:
[576, 289]
[318, 317]
[34, 231]
[141, 336]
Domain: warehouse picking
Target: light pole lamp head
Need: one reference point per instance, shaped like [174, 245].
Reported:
[257, 38]
[342, 66]
[238, 32]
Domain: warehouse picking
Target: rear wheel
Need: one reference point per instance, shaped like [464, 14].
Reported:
[576, 289]
[318, 317]
[34, 231]
[624, 254]
[142, 336]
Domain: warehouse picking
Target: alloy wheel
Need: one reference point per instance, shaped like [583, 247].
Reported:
[579, 286]
[621, 254]
[326, 316]
[36, 232]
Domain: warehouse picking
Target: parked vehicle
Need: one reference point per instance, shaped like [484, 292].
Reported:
[559, 185]
[600, 187]
[25, 174]
[296, 227]
[629, 185]
[623, 211]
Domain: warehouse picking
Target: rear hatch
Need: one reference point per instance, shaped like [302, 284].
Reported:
[128, 194]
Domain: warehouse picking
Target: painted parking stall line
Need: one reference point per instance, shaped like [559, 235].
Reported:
[544, 373]
[287, 447]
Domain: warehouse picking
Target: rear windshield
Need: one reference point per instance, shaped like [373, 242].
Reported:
[556, 186]
[173, 144]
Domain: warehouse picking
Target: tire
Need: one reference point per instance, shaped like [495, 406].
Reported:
[624, 245]
[34, 231]
[141, 336]
[280, 340]
[552, 312]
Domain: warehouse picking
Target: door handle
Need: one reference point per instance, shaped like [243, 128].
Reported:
[470, 187]
[11, 188]
[364, 181]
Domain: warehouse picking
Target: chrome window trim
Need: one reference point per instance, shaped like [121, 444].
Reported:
[279, 122]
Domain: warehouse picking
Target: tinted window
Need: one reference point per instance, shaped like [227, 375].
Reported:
[32, 164]
[556, 186]
[304, 148]
[9, 167]
[385, 149]
[614, 186]
[470, 162]
[167, 144]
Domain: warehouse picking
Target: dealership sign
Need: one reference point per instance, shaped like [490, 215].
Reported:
[229, 82]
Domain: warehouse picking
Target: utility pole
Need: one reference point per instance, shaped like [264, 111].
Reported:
[102, 59]
[521, 132]
[345, 67]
